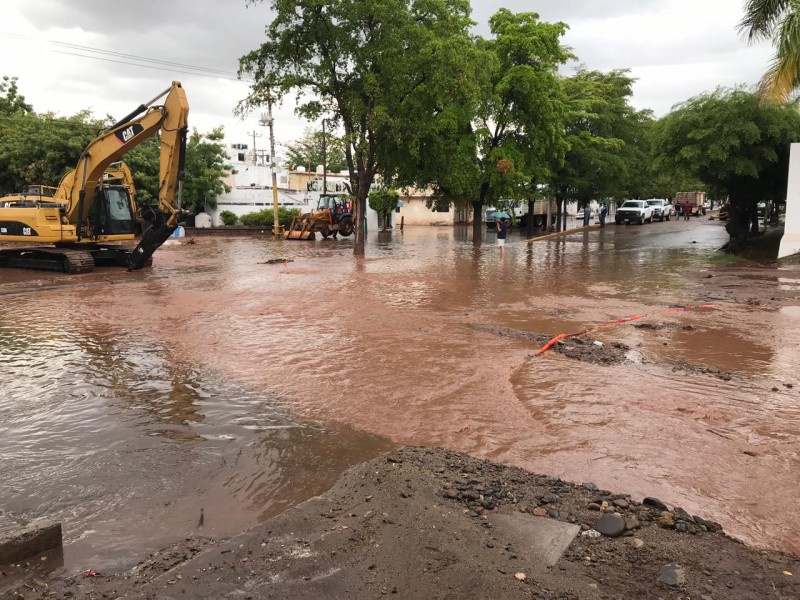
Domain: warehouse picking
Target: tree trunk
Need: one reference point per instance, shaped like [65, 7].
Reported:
[360, 215]
[558, 214]
[531, 219]
[477, 223]
[738, 225]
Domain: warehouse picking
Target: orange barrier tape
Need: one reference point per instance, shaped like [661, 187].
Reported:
[563, 336]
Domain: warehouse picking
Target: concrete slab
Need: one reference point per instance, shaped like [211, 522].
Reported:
[537, 538]
[30, 541]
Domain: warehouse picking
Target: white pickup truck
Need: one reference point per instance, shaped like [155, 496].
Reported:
[634, 211]
[661, 209]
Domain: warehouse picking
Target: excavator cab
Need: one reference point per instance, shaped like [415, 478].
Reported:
[111, 212]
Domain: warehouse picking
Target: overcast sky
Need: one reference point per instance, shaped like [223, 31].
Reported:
[675, 48]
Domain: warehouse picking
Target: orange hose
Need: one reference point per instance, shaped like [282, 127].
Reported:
[563, 336]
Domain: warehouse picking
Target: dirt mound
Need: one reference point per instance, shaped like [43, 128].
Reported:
[423, 523]
[583, 348]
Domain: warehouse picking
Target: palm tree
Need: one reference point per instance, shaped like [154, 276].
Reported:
[779, 20]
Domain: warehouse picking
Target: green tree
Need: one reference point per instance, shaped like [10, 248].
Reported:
[143, 161]
[11, 101]
[607, 138]
[384, 202]
[382, 68]
[780, 21]
[316, 148]
[206, 169]
[520, 122]
[732, 142]
[204, 179]
[40, 149]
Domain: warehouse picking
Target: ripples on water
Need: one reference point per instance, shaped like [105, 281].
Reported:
[110, 436]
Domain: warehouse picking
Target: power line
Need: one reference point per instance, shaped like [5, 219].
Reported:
[165, 64]
[171, 70]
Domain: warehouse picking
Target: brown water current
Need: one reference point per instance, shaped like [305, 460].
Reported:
[212, 380]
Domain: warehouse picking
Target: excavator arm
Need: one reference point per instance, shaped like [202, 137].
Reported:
[77, 188]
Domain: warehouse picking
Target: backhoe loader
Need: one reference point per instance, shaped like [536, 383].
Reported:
[83, 222]
[332, 216]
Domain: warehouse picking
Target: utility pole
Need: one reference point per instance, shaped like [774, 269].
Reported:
[255, 135]
[276, 226]
[324, 161]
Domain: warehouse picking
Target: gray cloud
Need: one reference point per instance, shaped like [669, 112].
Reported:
[676, 49]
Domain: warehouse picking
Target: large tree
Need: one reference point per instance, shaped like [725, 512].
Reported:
[520, 122]
[778, 20]
[732, 142]
[382, 69]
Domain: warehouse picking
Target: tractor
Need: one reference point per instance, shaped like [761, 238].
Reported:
[332, 216]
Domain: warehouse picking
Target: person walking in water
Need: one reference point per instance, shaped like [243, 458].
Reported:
[502, 231]
[603, 213]
[687, 211]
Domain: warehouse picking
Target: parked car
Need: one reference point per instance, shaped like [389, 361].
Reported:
[662, 210]
[634, 211]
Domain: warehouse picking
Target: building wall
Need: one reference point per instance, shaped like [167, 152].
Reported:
[416, 212]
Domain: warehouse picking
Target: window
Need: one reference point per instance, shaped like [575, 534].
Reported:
[442, 206]
[241, 156]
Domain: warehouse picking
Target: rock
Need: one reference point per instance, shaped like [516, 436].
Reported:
[672, 575]
[610, 525]
[553, 513]
[595, 507]
[635, 542]
[550, 499]
[632, 523]
[451, 493]
[590, 486]
[621, 503]
[490, 544]
[540, 512]
[681, 526]
[473, 514]
[682, 514]
[666, 520]
[468, 469]
[520, 576]
[591, 533]
[655, 503]
[394, 458]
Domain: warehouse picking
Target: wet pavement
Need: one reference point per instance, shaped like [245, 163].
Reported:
[214, 380]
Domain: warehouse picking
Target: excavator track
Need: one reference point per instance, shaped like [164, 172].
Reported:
[47, 259]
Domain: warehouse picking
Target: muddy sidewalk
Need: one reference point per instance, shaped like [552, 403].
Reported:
[422, 523]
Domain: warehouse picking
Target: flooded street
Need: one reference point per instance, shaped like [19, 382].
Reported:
[215, 381]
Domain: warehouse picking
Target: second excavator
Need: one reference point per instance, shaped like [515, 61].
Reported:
[86, 219]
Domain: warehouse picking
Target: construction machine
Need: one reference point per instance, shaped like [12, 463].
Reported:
[92, 211]
[332, 216]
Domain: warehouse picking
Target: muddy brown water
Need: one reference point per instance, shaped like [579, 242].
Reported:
[132, 400]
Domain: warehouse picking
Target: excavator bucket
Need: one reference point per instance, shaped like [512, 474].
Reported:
[293, 233]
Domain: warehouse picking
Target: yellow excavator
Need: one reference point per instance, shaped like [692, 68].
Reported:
[84, 222]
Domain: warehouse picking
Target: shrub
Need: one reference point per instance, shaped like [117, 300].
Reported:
[264, 218]
[228, 218]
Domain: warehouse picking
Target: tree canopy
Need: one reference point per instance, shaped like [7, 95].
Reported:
[731, 142]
